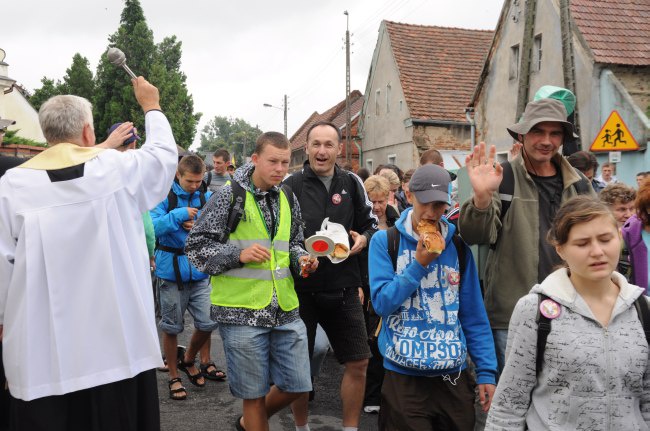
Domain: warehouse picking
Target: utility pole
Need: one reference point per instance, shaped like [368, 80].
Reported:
[285, 116]
[284, 108]
[348, 115]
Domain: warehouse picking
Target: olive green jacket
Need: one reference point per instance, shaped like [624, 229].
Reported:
[511, 266]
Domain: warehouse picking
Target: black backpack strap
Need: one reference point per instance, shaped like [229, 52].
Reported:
[236, 210]
[288, 192]
[296, 183]
[506, 188]
[172, 200]
[643, 310]
[462, 253]
[209, 179]
[393, 238]
[543, 329]
[201, 198]
[582, 187]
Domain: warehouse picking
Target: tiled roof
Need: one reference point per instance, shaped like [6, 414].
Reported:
[617, 31]
[439, 67]
[336, 115]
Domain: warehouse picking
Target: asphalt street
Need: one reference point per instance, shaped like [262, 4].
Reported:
[214, 408]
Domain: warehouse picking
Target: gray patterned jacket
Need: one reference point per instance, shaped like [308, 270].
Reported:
[593, 377]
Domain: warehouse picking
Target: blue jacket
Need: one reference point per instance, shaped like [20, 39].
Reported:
[169, 232]
[429, 321]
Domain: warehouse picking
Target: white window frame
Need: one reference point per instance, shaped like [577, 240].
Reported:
[388, 98]
[393, 157]
[369, 165]
[513, 71]
[537, 52]
[377, 102]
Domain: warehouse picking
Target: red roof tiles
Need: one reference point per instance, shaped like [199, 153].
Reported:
[439, 67]
[617, 31]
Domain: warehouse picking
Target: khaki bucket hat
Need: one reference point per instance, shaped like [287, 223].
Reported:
[540, 111]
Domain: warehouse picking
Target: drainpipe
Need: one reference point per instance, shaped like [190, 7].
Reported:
[469, 114]
[354, 141]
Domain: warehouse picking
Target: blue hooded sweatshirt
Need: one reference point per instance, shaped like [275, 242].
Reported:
[168, 225]
[430, 316]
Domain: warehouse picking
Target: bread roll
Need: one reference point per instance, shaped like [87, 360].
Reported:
[341, 251]
[431, 238]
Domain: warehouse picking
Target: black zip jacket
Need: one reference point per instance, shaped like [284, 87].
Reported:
[353, 211]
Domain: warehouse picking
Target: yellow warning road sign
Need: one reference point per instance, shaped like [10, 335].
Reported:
[614, 136]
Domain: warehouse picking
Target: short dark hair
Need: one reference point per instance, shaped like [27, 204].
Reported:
[276, 139]
[393, 168]
[583, 161]
[224, 154]
[363, 173]
[324, 123]
[192, 164]
[431, 156]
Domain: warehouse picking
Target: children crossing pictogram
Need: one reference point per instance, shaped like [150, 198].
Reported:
[614, 136]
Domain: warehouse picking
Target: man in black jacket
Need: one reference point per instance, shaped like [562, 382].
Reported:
[331, 296]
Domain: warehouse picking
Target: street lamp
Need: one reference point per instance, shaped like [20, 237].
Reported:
[284, 108]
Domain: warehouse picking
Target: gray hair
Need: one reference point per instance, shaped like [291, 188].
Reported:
[63, 118]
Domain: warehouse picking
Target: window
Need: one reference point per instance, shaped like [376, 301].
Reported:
[537, 53]
[387, 98]
[514, 62]
[392, 158]
[377, 96]
[369, 165]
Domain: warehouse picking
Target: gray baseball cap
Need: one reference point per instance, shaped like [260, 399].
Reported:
[430, 183]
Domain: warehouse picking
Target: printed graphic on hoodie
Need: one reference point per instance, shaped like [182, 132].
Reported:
[425, 329]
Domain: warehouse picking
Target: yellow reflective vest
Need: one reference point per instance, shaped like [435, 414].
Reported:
[251, 286]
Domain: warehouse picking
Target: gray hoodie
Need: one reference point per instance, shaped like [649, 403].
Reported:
[593, 377]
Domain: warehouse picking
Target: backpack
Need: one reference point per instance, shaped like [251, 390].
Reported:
[237, 204]
[544, 326]
[507, 188]
[172, 203]
[172, 199]
[206, 183]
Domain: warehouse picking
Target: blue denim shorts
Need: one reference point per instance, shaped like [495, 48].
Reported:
[195, 298]
[257, 356]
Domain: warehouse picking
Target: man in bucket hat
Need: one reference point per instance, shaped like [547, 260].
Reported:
[537, 183]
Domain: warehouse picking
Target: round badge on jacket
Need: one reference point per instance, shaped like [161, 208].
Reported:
[550, 309]
[336, 199]
[453, 277]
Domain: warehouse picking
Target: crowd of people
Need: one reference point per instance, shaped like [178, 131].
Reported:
[553, 334]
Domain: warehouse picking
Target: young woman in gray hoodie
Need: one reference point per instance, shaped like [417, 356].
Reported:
[596, 368]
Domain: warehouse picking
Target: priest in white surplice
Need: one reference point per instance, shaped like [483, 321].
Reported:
[76, 307]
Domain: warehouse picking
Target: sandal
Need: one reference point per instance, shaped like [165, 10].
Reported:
[238, 426]
[185, 367]
[173, 393]
[211, 372]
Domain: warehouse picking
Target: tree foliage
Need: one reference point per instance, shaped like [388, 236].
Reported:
[78, 79]
[234, 134]
[111, 92]
[47, 90]
[11, 137]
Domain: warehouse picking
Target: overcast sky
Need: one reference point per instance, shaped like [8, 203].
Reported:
[237, 55]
